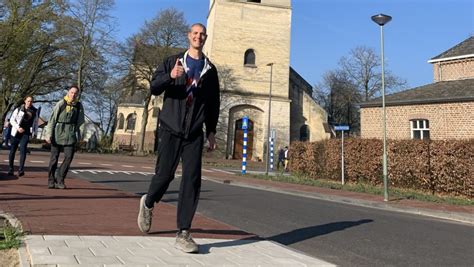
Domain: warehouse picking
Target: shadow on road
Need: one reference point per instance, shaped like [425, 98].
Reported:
[302, 234]
[288, 238]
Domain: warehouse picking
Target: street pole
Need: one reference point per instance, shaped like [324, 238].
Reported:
[268, 123]
[381, 20]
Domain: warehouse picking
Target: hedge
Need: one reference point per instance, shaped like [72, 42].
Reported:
[435, 166]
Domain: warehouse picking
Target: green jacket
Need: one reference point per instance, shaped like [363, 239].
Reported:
[65, 128]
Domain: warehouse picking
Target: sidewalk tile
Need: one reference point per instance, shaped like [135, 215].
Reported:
[98, 260]
[58, 251]
[100, 252]
[53, 260]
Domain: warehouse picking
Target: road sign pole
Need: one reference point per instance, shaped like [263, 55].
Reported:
[245, 120]
[342, 128]
[342, 157]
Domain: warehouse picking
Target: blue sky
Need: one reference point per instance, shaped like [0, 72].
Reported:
[325, 30]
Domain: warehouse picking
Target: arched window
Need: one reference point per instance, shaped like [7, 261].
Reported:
[304, 133]
[131, 119]
[249, 57]
[121, 121]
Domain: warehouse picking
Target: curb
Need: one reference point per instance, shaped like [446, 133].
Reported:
[22, 251]
[458, 217]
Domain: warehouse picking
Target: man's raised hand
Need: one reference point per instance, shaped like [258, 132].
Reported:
[178, 70]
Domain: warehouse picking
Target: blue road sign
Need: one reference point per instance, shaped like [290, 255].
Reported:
[245, 122]
[341, 128]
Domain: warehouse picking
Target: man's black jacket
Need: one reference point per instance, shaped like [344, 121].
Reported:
[175, 116]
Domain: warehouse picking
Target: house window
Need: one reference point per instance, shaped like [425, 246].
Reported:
[249, 58]
[131, 119]
[420, 129]
[304, 133]
[121, 121]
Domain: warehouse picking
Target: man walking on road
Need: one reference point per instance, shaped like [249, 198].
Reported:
[190, 85]
[65, 127]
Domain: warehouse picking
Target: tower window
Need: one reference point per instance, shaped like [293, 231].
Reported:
[249, 58]
[254, 1]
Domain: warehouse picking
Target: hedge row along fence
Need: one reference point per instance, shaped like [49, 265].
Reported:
[438, 167]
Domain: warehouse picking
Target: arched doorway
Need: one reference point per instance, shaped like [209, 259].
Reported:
[239, 137]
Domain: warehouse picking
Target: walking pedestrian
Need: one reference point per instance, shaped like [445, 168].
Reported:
[281, 158]
[65, 127]
[287, 159]
[23, 121]
[7, 129]
[190, 85]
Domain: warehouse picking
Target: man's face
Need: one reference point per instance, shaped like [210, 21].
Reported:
[197, 37]
[72, 93]
[28, 102]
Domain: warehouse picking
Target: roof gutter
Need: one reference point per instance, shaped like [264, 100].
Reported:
[450, 58]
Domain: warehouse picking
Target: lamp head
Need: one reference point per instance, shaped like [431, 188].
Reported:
[381, 19]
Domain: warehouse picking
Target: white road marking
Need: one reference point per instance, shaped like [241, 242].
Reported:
[128, 166]
[110, 172]
[85, 163]
[104, 164]
[37, 161]
[206, 170]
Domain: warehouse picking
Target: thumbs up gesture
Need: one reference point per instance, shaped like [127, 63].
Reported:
[178, 70]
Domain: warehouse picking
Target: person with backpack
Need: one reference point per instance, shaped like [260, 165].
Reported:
[64, 128]
[23, 122]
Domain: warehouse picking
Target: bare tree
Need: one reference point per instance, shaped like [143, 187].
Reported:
[339, 96]
[363, 68]
[31, 59]
[89, 27]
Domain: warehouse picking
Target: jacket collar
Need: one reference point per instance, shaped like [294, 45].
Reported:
[207, 63]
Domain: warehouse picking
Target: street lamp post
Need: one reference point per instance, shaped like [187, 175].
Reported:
[381, 20]
[269, 114]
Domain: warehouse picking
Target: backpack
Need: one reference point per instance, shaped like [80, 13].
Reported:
[63, 107]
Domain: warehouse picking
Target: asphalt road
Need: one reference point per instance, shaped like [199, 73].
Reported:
[346, 235]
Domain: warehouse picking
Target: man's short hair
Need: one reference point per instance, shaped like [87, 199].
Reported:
[198, 24]
[74, 86]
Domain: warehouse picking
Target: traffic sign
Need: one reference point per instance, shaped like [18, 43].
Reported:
[341, 128]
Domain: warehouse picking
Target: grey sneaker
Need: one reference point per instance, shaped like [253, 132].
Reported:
[185, 242]
[144, 216]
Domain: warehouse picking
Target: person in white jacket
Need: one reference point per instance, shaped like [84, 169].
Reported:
[24, 123]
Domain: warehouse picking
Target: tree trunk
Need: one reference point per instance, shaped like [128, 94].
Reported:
[141, 140]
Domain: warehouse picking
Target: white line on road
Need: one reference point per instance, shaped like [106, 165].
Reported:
[85, 163]
[36, 161]
[105, 164]
[110, 172]
[206, 170]
[128, 166]
[146, 167]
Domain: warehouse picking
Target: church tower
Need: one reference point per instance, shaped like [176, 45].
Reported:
[249, 41]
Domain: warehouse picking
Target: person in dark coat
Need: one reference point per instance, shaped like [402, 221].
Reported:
[190, 85]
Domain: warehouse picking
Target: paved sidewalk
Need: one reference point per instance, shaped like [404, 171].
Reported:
[46, 250]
